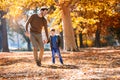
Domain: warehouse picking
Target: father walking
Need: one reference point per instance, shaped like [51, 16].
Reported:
[38, 22]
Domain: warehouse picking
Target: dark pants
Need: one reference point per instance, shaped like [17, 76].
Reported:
[56, 51]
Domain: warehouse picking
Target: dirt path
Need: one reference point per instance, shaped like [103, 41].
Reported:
[89, 64]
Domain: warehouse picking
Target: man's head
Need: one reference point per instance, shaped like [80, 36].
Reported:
[44, 10]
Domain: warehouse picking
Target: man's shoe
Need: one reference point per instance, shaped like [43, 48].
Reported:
[38, 63]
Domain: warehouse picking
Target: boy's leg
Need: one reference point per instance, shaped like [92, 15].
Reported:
[59, 55]
[53, 56]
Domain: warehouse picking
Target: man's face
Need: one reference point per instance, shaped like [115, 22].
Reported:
[44, 12]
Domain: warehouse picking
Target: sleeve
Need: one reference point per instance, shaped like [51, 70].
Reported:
[46, 28]
[27, 23]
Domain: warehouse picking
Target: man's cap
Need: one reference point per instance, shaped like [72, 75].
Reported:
[44, 8]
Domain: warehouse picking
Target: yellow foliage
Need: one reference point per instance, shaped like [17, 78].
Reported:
[88, 43]
[85, 11]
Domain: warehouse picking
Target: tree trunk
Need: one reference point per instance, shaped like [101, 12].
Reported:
[0, 31]
[81, 40]
[0, 40]
[29, 45]
[4, 36]
[76, 40]
[27, 40]
[97, 38]
[68, 33]
[61, 42]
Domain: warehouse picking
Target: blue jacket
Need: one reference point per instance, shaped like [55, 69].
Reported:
[57, 41]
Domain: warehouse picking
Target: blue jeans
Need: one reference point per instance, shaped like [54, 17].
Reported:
[56, 51]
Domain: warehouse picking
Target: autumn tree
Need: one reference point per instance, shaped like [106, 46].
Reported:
[99, 14]
[69, 14]
[3, 32]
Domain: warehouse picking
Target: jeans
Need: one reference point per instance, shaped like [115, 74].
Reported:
[56, 51]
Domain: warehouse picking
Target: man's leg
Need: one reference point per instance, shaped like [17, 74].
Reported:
[35, 47]
[41, 47]
[41, 54]
[35, 54]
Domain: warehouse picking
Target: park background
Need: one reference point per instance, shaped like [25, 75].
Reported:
[90, 36]
[82, 23]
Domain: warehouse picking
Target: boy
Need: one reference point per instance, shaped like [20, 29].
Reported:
[55, 44]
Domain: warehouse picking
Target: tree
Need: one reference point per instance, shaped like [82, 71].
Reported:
[4, 39]
[4, 36]
[0, 36]
[69, 40]
[99, 13]
[69, 14]
[18, 27]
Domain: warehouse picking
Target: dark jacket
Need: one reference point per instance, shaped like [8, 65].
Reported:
[58, 41]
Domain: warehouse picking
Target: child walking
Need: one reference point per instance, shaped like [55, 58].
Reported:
[55, 44]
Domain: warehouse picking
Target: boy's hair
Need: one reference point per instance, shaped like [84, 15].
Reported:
[52, 30]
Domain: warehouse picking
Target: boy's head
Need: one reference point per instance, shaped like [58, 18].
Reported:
[52, 31]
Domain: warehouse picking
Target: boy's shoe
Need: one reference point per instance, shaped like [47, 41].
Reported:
[62, 64]
[53, 63]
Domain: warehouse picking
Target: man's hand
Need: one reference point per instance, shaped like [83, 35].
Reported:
[45, 41]
[27, 34]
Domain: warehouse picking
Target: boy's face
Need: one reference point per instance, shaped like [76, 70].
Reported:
[52, 33]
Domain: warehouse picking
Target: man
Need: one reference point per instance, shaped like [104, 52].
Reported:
[37, 22]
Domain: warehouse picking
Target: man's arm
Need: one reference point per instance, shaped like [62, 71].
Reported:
[27, 23]
[46, 29]
[26, 27]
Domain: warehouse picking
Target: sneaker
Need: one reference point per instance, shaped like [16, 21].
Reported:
[38, 63]
[62, 63]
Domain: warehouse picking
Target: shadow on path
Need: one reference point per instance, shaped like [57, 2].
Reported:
[61, 66]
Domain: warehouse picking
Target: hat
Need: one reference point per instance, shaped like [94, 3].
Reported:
[52, 29]
[44, 8]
